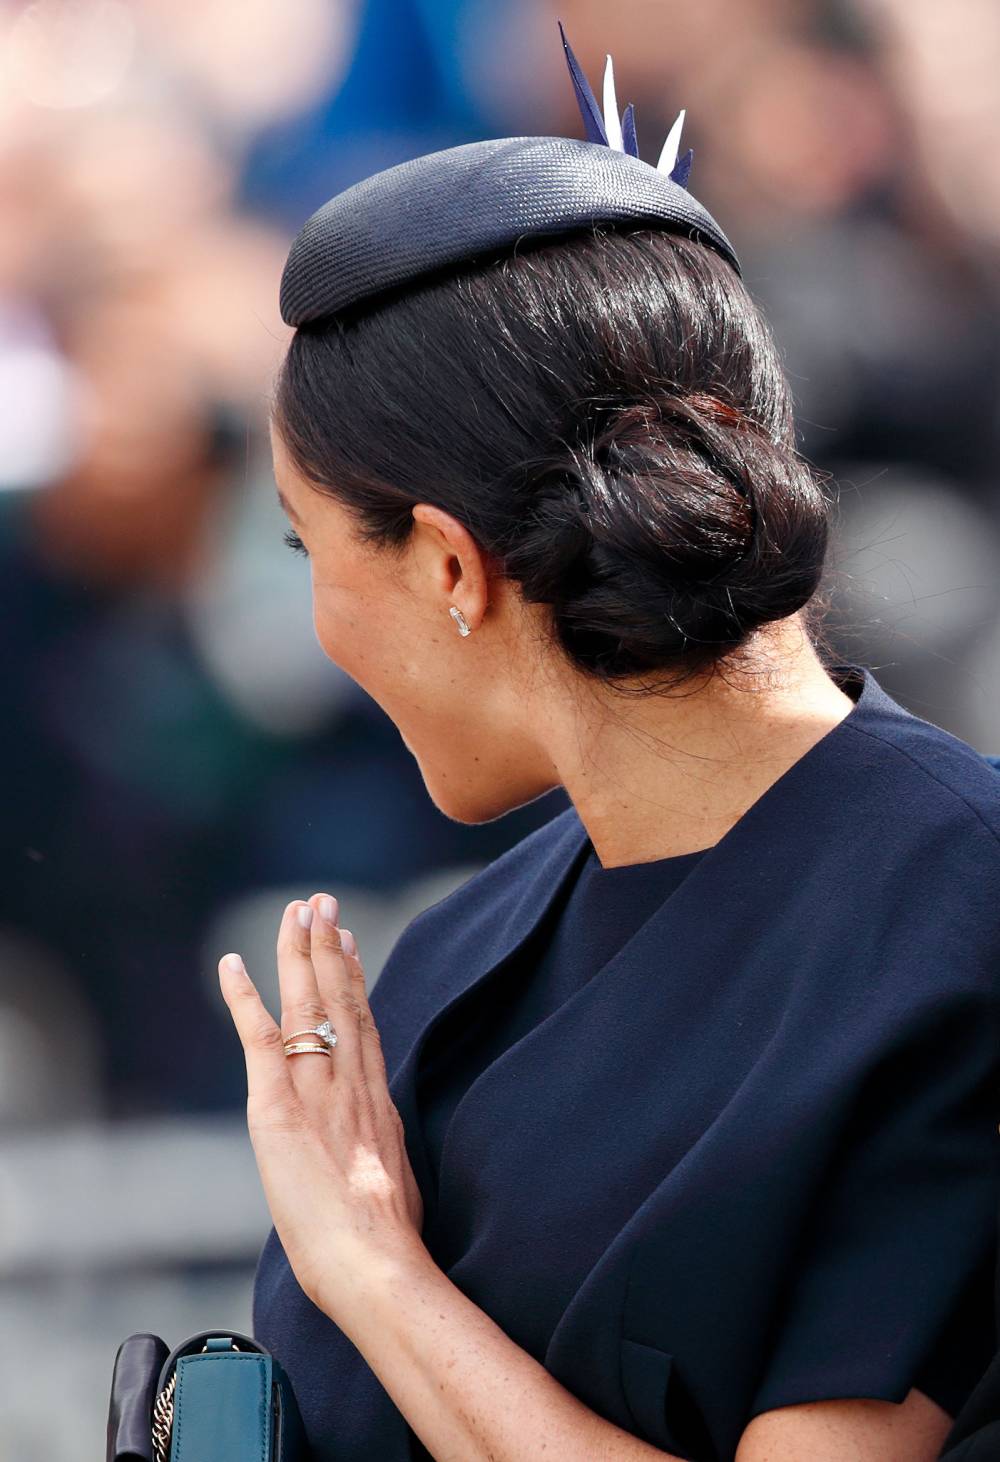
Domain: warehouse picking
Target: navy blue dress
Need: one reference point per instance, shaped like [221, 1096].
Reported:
[715, 1134]
[591, 919]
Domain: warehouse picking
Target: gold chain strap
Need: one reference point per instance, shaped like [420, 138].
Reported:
[163, 1420]
[163, 1416]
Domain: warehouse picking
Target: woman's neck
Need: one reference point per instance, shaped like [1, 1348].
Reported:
[669, 774]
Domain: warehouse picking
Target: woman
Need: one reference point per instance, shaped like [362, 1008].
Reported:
[673, 1131]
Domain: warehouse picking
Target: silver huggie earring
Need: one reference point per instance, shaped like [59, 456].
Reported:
[459, 619]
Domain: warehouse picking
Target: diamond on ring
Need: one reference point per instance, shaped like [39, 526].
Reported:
[324, 1030]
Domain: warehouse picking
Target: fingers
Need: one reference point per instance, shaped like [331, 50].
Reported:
[301, 1005]
[341, 977]
[371, 1041]
[269, 1083]
[321, 978]
[337, 989]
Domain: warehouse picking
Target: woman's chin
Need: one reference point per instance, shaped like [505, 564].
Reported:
[468, 809]
[476, 804]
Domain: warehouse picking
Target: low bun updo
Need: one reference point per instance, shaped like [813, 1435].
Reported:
[608, 416]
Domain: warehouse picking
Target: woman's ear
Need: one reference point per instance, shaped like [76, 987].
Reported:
[458, 568]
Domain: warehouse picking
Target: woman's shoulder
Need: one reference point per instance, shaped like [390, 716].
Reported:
[904, 868]
[924, 771]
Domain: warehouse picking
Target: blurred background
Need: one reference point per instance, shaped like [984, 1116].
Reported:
[178, 758]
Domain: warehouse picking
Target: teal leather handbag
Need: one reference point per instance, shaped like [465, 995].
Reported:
[216, 1397]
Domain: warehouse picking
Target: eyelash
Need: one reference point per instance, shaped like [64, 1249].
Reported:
[294, 542]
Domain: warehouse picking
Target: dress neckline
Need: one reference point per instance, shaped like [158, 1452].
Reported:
[850, 678]
[620, 871]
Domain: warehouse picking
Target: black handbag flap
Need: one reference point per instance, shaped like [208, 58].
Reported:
[134, 1383]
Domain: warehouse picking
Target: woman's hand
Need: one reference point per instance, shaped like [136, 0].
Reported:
[327, 1137]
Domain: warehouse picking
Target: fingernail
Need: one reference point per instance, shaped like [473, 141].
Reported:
[347, 943]
[234, 963]
[306, 915]
[328, 908]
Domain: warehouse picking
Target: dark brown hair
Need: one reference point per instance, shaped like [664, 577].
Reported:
[607, 414]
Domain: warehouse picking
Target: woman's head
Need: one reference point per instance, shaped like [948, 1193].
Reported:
[587, 447]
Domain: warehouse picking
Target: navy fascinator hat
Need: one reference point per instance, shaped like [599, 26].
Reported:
[482, 198]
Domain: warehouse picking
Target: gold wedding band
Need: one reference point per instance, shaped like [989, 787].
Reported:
[324, 1031]
[302, 1046]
